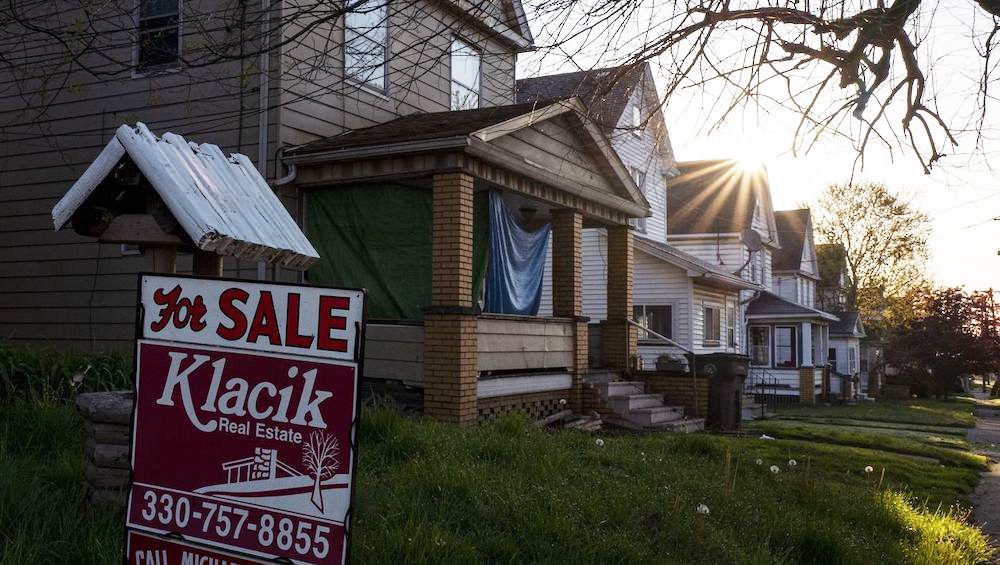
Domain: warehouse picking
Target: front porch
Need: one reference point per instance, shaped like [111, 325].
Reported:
[470, 362]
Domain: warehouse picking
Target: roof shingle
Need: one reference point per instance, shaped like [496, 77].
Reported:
[605, 92]
[792, 226]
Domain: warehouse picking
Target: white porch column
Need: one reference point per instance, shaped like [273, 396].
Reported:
[807, 345]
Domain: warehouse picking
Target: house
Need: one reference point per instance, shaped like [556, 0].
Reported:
[67, 290]
[844, 355]
[404, 157]
[681, 303]
[721, 212]
[852, 352]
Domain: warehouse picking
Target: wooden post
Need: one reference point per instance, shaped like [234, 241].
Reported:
[207, 263]
[161, 258]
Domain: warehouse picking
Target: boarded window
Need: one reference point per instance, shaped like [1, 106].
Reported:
[785, 347]
[760, 345]
[465, 76]
[366, 44]
[159, 34]
[713, 325]
[658, 318]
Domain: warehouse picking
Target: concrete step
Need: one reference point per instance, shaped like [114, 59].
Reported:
[621, 388]
[754, 411]
[654, 415]
[600, 376]
[625, 404]
[682, 426]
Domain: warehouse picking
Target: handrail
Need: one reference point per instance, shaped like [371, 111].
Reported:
[660, 336]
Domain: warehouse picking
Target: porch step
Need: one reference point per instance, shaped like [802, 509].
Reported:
[654, 415]
[625, 404]
[682, 425]
[621, 388]
[599, 377]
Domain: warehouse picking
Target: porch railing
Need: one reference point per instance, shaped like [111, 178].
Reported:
[768, 389]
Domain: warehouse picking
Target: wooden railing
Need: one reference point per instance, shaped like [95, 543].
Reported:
[517, 343]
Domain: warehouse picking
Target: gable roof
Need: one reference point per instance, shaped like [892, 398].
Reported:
[222, 202]
[792, 227]
[716, 196]
[849, 324]
[605, 92]
[768, 304]
[473, 130]
[694, 265]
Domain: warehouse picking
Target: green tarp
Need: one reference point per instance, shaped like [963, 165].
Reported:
[378, 237]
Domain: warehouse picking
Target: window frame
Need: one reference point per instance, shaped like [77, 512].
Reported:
[349, 77]
[140, 72]
[793, 345]
[707, 341]
[451, 71]
[672, 319]
[731, 323]
[639, 178]
[766, 345]
[637, 128]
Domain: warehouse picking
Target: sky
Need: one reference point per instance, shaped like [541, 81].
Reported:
[961, 195]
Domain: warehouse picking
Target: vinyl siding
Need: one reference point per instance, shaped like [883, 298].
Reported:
[64, 289]
[704, 297]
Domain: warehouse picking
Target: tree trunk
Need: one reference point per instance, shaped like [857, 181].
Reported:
[317, 496]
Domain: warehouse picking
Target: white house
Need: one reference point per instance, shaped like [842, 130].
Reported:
[847, 354]
[676, 295]
[722, 213]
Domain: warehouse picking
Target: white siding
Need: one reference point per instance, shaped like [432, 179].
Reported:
[726, 251]
[716, 299]
[786, 286]
[595, 276]
[642, 153]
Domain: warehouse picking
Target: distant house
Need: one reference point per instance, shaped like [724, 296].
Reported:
[676, 295]
[722, 213]
[844, 355]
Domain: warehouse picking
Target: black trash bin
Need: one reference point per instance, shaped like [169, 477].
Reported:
[726, 373]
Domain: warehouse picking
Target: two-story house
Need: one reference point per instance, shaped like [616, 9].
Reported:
[721, 212]
[392, 134]
[678, 296]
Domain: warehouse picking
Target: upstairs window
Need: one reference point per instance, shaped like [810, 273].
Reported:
[731, 323]
[640, 181]
[159, 34]
[657, 318]
[637, 120]
[366, 44]
[713, 326]
[465, 75]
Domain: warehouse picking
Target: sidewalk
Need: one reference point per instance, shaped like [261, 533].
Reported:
[986, 497]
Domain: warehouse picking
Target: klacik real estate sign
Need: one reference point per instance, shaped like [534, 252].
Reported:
[245, 415]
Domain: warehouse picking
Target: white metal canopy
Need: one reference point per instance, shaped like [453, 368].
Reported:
[223, 203]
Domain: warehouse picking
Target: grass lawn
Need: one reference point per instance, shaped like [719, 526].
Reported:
[510, 493]
[954, 413]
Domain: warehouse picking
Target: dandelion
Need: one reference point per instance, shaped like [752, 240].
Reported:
[562, 402]
[869, 469]
[792, 463]
[759, 461]
[599, 442]
[775, 469]
[703, 509]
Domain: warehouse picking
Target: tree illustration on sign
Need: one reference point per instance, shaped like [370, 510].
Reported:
[320, 455]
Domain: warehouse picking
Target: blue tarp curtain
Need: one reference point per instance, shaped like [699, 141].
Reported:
[516, 262]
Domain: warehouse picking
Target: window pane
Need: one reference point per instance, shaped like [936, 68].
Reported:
[462, 98]
[760, 346]
[366, 41]
[784, 347]
[711, 322]
[639, 315]
[659, 320]
[465, 63]
[154, 8]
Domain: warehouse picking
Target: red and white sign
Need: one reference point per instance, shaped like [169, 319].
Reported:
[145, 549]
[244, 426]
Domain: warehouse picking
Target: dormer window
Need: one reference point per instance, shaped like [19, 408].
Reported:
[465, 75]
[366, 44]
[159, 34]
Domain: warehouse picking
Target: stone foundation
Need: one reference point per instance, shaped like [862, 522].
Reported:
[107, 422]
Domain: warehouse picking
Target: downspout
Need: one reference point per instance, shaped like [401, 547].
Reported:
[262, 114]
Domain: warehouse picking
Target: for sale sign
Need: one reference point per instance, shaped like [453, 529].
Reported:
[246, 405]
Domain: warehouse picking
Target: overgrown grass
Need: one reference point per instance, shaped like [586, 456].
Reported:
[956, 412]
[48, 375]
[508, 492]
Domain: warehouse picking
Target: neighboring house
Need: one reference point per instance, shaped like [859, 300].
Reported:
[399, 58]
[844, 355]
[719, 212]
[676, 295]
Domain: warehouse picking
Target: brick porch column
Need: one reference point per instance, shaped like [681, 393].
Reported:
[450, 368]
[619, 340]
[807, 385]
[567, 290]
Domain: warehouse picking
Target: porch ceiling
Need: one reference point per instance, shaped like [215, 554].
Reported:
[551, 153]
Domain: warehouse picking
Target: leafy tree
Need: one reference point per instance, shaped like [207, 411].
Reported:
[953, 333]
[884, 238]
